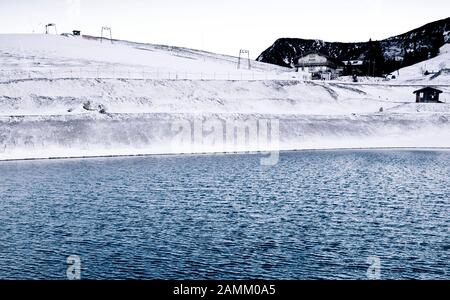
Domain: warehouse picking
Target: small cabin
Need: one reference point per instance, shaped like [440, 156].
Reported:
[76, 32]
[428, 95]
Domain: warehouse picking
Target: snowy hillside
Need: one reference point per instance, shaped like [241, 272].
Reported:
[434, 71]
[438, 67]
[51, 56]
[67, 96]
[73, 97]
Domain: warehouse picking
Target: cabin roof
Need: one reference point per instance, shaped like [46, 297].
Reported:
[428, 89]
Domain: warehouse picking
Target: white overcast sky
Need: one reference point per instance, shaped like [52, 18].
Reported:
[224, 26]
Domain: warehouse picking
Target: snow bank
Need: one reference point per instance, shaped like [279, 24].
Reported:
[136, 134]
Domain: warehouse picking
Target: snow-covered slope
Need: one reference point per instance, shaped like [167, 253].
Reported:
[52, 56]
[70, 97]
[67, 97]
[437, 67]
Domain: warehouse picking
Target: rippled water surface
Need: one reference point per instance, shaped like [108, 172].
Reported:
[314, 215]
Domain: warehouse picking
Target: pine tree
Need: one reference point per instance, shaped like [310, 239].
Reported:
[375, 61]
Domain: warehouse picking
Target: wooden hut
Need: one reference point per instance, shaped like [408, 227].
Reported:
[428, 95]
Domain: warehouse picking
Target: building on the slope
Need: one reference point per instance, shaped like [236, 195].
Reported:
[353, 67]
[320, 66]
[74, 33]
[428, 95]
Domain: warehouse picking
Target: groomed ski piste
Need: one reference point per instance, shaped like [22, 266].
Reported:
[64, 97]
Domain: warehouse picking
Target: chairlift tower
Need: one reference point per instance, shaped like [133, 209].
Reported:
[242, 53]
[106, 29]
[50, 25]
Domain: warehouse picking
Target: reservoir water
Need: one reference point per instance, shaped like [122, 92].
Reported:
[314, 215]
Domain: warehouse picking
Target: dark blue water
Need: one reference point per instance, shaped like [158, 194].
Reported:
[314, 215]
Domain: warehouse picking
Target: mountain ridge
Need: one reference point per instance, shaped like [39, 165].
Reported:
[387, 55]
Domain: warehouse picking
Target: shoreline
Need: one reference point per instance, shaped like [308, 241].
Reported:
[186, 154]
